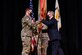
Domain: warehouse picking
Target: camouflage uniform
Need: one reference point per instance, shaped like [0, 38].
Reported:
[43, 43]
[26, 34]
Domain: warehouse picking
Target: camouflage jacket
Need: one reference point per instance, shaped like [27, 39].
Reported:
[27, 26]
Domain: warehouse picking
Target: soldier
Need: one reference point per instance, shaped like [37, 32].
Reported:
[26, 32]
[43, 40]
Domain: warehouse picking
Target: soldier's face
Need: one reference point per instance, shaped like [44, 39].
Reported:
[30, 11]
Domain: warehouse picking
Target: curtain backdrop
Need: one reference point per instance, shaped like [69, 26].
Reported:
[71, 31]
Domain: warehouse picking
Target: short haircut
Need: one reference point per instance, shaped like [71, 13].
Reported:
[27, 9]
[52, 12]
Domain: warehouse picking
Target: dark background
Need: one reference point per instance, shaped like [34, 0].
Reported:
[71, 31]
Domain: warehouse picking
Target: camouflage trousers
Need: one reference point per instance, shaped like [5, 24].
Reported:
[43, 44]
[26, 42]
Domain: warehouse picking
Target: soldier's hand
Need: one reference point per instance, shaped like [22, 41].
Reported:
[41, 17]
[38, 22]
[33, 22]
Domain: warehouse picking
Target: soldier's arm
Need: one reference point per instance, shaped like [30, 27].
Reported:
[23, 23]
[26, 21]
